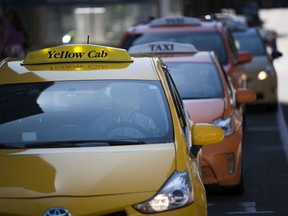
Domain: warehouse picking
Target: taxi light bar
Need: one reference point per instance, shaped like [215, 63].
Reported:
[77, 53]
[159, 47]
[176, 20]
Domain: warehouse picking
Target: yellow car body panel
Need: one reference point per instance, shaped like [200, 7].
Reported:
[266, 89]
[91, 206]
[60, 172]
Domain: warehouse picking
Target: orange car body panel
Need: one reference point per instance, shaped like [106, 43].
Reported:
[213, 162]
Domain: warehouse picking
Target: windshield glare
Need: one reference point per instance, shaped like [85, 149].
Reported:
[84, 110]
[196, 80]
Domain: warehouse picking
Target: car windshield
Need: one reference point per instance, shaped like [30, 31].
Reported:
[250, 42]
[196, 80]
[86, 112]
[203, 41]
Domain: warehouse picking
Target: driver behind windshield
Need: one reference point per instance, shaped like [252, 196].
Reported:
[125, 120]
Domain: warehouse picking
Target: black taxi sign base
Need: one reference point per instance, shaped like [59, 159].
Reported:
[77, 53]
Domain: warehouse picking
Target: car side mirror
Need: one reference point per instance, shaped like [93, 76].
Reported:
[206, 134]
[244, 95]
[244, 57]
[276, 54]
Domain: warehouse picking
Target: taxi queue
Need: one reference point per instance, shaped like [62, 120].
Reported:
[209, 97]
[90, 130]
[95, 130]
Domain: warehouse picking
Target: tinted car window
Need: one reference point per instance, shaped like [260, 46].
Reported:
[59, 111]
[203, 41]
[250, 42]
[196, 80]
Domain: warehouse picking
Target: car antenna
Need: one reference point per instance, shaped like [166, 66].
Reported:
[88, 39]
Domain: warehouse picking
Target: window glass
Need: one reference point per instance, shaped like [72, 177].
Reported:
[181, 111]
[84, 110]
[177, 100]
[196, 80]
[250, 43]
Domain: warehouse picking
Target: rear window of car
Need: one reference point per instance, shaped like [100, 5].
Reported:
[203, 41]
[36, 113]
[250, 42]
[196, 80]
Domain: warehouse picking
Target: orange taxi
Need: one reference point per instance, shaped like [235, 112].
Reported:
[209, 97]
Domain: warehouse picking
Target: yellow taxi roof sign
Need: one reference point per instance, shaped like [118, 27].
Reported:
[77, 53]
[159, 47]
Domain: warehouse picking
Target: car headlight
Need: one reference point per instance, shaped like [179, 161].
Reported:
[226, 125]
[176, 193]
[266, 73]
[262, 75]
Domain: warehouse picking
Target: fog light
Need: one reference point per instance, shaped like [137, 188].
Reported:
[231, 163]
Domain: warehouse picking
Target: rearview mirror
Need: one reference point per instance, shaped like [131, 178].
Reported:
[206, 134]
[276, 54]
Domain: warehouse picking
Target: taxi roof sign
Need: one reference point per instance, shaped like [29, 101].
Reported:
[160, 47]
[77, 53]
[175, 20]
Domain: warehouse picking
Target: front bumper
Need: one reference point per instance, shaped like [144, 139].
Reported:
[266, 90]
[216, 161]
[77, 206]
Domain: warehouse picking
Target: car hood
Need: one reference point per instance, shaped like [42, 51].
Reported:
[85, 171]
[257, 64]
[205, 110]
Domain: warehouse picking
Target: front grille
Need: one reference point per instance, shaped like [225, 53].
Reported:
[120, 213]
[259, 95]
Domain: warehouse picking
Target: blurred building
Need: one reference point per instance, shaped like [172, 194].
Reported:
[104, 21]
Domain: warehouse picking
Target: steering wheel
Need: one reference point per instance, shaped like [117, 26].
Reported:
[125, 130]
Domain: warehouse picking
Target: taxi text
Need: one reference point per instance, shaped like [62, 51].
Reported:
[76, 55]
[161, 47]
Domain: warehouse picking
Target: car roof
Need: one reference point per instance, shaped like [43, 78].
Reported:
[248, 30]
[201, 56]
[54, 64]
[166, 24]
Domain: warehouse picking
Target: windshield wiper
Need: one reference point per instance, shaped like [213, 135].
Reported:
[82, 143]
[199, 98]
[8, 146]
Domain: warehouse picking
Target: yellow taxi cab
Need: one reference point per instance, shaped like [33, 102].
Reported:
[209, 97]
[89, 130]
